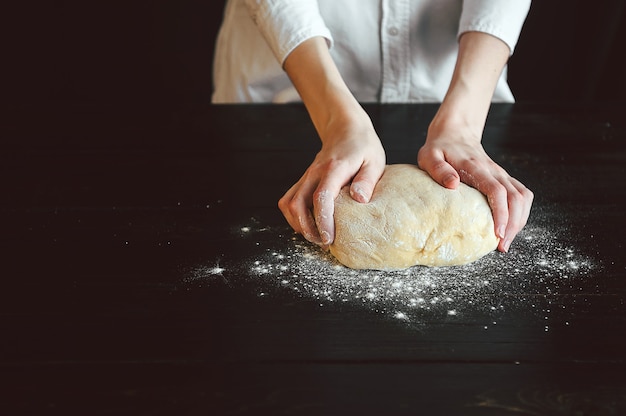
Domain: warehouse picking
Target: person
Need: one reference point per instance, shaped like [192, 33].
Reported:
[334, 55]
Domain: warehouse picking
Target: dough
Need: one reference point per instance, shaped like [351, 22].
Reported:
[412, 220]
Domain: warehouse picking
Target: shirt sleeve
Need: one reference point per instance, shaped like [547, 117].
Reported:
[500, 18]
[286, 23]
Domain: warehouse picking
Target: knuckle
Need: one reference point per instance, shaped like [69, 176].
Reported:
[332, 165]
[528, 194]
[440, 166]
[283, 204]
[289, 206]
[497, 190]
[423, 154]
[319, 195]
[516, 198]
[473, 164]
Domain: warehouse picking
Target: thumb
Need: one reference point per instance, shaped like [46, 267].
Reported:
[438, 168]
[363, 184]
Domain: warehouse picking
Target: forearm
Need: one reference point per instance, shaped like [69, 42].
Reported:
[321, 87]
[351, 152]
[453, 151]
[480, 62]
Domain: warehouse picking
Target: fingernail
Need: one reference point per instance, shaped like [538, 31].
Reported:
[325, 237]
[506, 245]
[501, 231]
[312, 238]
[357, 194]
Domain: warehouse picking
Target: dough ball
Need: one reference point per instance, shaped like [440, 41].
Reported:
[412, 220]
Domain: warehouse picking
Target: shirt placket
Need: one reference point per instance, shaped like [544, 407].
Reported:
[395, 35]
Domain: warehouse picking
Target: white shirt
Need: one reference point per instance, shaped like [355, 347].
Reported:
[390, 51]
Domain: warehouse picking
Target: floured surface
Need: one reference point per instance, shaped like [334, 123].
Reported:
[538, 270]
[412, 220]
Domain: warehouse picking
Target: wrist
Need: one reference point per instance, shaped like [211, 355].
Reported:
[338, 113]
[479, 64]
[457, 122]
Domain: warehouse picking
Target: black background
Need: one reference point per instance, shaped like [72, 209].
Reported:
[160, 52]
[119, 179]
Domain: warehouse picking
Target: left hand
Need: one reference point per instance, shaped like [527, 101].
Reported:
[453, 156]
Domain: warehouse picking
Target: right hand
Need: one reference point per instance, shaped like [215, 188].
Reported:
[351, 150]
[351, 154]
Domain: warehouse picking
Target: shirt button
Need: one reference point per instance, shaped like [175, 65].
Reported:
[393, 31]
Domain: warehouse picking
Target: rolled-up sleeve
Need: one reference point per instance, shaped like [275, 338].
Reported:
[286, 23]
[500, 18]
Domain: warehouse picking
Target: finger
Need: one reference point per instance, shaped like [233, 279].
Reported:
[308, 227]
[295, 206]
[519, 201]
[284, 206]
[497, 198]
[324, 202]
[365, 181]
[496, 194]
[323, 209]
[438, 168]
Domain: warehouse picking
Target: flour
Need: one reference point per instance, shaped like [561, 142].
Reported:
[538, 268]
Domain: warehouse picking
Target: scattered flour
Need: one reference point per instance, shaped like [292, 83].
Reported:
[538, 268]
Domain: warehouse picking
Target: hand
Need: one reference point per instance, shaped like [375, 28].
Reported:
[351, 153]
[453, 152]
[351, 150]
[453, 156]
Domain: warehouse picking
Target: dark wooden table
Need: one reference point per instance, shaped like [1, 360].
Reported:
[147, 271]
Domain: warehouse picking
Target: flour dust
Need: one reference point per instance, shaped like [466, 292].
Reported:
[538, 268]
